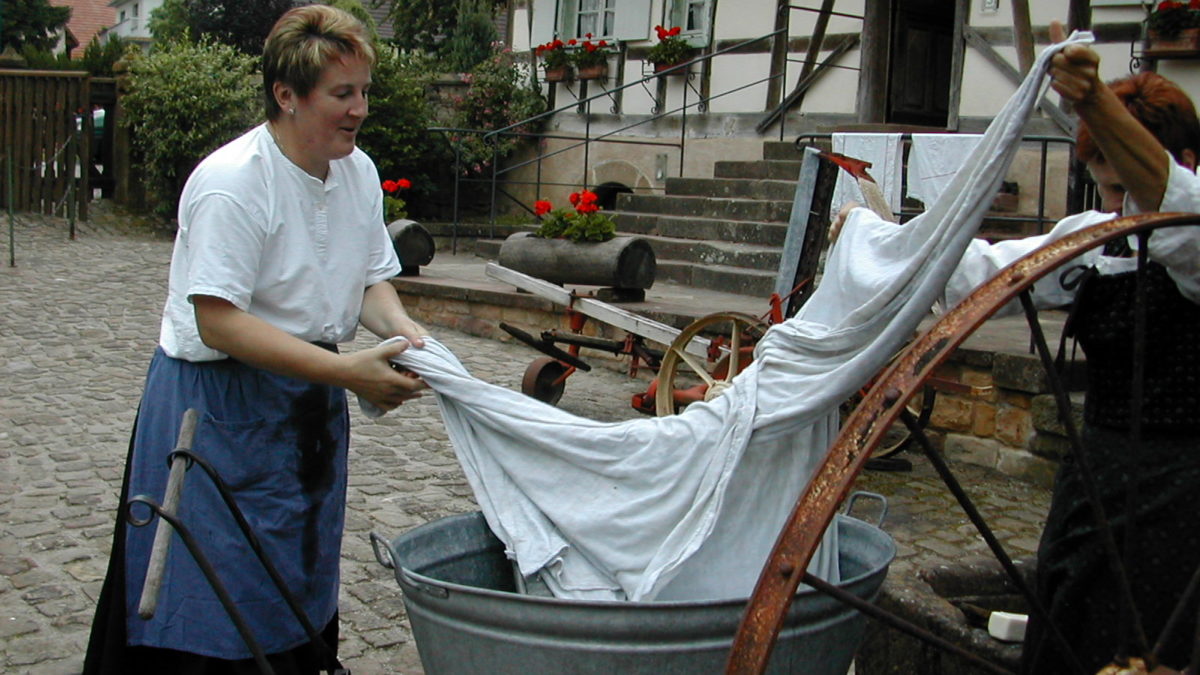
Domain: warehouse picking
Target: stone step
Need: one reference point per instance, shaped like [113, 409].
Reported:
[693, 252]
[724, 278]
[787, 149]
[780, 190]
[697, 228]
[708, 207]
[775, 169]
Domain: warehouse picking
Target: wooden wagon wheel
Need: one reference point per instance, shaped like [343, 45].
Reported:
[730, 351]
[864, 429]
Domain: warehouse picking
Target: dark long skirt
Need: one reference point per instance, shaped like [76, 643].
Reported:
[1075, 579]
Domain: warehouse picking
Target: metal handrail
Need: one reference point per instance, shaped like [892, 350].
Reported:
[1044, 143]
[492, 136]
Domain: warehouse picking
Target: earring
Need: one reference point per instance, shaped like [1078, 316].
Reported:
[291, 111]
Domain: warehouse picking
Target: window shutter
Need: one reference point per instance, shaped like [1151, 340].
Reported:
[545, 12]
[632, 20]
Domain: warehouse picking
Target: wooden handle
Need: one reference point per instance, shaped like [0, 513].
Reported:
[162, 536]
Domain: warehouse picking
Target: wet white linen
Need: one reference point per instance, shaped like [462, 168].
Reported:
[689, 506]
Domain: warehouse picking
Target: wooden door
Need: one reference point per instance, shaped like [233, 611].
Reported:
[922, 52]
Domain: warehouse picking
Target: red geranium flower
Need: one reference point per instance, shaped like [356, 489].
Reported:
[573, 198]
[404, 183]
[541, 207]
[390, 186]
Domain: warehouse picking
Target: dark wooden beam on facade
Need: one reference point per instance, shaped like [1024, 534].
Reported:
[1022, 35]
[959, 57]
[981, 45]
[875, 65]
[779, 53]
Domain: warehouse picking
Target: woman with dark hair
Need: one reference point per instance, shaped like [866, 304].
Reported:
[281, 252]
[1140, 138]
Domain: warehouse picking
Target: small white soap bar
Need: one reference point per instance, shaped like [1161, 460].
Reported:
[1007, 626]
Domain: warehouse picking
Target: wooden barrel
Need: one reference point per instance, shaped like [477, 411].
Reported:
[413, 243]
[620, 262]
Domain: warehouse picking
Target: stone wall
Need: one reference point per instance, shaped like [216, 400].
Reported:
[995, 409]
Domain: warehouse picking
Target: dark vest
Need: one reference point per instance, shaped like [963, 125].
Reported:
[1103, 323]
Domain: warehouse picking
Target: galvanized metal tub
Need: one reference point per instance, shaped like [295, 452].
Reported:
[467, 618]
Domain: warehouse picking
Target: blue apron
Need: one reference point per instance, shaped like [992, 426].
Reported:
[281, 445]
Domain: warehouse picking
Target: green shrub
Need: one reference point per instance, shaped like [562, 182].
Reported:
[470, 41]
[499, 96]
[184, 101]
[97, 58]
[394, 133]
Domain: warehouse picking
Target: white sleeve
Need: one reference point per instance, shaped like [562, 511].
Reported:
[981, 261]
[224, 244]
[1178, 248]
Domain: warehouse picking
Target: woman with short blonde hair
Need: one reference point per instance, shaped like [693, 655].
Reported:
[281, 252]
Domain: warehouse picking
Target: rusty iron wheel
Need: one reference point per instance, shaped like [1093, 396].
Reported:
[545, 379]
[883, 404]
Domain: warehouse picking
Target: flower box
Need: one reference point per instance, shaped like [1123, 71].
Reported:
[660, 67]
[561, 74]
[597, 72]
[1186, 43]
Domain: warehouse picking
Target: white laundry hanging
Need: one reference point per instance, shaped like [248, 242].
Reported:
[933, 162]
[689, 506]
[885, 154]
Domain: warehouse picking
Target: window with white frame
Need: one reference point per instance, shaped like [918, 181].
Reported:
[594, 17]
[693, 17]
[135, 10]
[612, 20]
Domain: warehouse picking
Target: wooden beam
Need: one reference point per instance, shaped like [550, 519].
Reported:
[875, 65]
[979, 43]
[954, 101]
[793, 99]
[1022, 35]
[779, 53]
[601, 311]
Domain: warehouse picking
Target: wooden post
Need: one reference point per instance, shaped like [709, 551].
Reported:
[779, 51]
[874, 66]
[1022, 35]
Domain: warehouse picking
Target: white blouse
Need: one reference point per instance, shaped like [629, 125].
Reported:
[1176, 248]
[256, 230]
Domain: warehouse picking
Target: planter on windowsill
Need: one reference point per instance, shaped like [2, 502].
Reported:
[1186, 43]
[596, 72]
[623, 263]
[682, 72]
[561, 74]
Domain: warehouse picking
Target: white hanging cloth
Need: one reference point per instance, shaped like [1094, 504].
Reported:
[689, 506]
[933, 162]
[885, 153]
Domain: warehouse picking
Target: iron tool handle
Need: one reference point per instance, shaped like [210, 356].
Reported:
[163, 535]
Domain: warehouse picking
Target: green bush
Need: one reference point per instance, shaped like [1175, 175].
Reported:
[184, 101]
[470, 41]
[498, 97]
[98, 57]
[394, 133]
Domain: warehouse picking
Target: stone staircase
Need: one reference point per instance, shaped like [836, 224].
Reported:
[722, 233]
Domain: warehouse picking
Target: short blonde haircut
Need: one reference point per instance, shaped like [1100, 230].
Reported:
[303, 42]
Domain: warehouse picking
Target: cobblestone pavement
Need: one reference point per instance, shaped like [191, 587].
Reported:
[78, 324]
